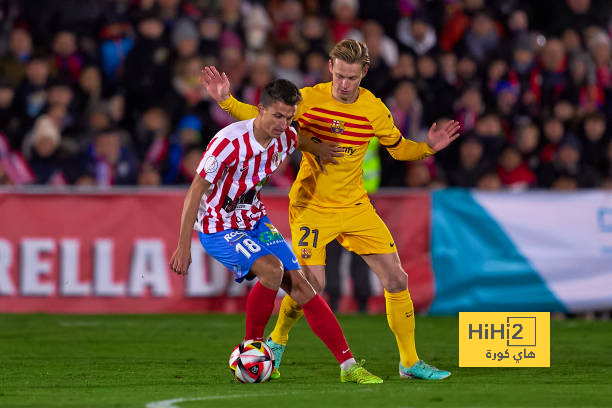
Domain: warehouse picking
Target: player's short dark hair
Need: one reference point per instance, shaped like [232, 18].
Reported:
[280, 90]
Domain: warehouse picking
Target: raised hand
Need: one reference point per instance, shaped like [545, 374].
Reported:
[438, 139]
[217, 85]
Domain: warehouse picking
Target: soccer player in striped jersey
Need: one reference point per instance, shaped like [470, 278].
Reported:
[334, 204]
[223, 203]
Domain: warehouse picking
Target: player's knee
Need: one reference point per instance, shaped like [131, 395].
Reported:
[270, 272]
[302, 292]
[396, 282]
[317, 282]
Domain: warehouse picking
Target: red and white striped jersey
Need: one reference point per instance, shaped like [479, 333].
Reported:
[237, 166]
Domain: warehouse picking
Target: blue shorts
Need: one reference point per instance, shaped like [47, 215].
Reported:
[238, 250]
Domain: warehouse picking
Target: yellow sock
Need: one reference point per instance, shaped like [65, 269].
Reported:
[290, 312]
[400, 316]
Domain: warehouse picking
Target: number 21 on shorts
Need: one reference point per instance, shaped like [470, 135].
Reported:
[304, 239]
[249, 247]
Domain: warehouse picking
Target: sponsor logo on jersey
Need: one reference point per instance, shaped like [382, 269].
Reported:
[337, 126]
[272, 228]
[306, 253]
[211, 164]
[262, 182]
[349, 150]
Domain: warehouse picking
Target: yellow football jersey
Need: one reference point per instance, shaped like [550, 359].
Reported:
[322, 117]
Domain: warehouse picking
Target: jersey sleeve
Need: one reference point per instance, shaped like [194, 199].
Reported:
[391, 138]
[219, 155]
[292, 139]
[239, 110]
[384, 128]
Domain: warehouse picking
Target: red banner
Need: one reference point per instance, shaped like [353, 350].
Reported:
[108, 253]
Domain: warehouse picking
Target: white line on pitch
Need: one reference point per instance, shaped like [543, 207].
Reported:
[170, 403]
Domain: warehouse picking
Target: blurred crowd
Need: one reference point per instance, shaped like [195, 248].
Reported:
[107, 92]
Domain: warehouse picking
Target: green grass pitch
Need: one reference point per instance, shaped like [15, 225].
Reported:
[142, 360]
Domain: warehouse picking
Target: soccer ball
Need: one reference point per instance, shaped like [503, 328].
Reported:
[251, 361]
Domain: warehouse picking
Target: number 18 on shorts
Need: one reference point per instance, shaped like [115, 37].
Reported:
[239, 249]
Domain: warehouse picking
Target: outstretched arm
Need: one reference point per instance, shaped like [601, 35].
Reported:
[437, 139]
[218, 87]
[181, 258]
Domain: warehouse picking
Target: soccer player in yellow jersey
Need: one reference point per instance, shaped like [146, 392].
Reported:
[331, 203]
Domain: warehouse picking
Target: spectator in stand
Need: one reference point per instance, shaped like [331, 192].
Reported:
[43, 152]
[553, 134]
[210, 32]
[513, 172]
[31, 94]
[9, 124]
[482, 38]
[407, 111]
[566, 165]
[12, 63]
[152, 137]
[312, 36]
[382, 57]
[89, 89]
[467, 71]
[68, 61]
[551, 76]
[189, 163]
[345, 22]
[582, 90]
[186, 93]
[288, 65]
[116, 43]
[185, 39]
[109, 160]
[489, 181]
[188, 134]
[147, 73]
[418, 175]
[148, 176]
[472, 164]
[595, 141]
[468, 108]
[416, 35]
[405, 69]
[527, 138]
[260, 74]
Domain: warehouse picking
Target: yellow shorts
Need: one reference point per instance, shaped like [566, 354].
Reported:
[358, 229]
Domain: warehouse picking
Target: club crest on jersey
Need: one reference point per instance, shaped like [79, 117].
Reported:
[276, 158]
[306, 253]
[337, 126]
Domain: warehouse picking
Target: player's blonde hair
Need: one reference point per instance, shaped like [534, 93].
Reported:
[351, 52]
